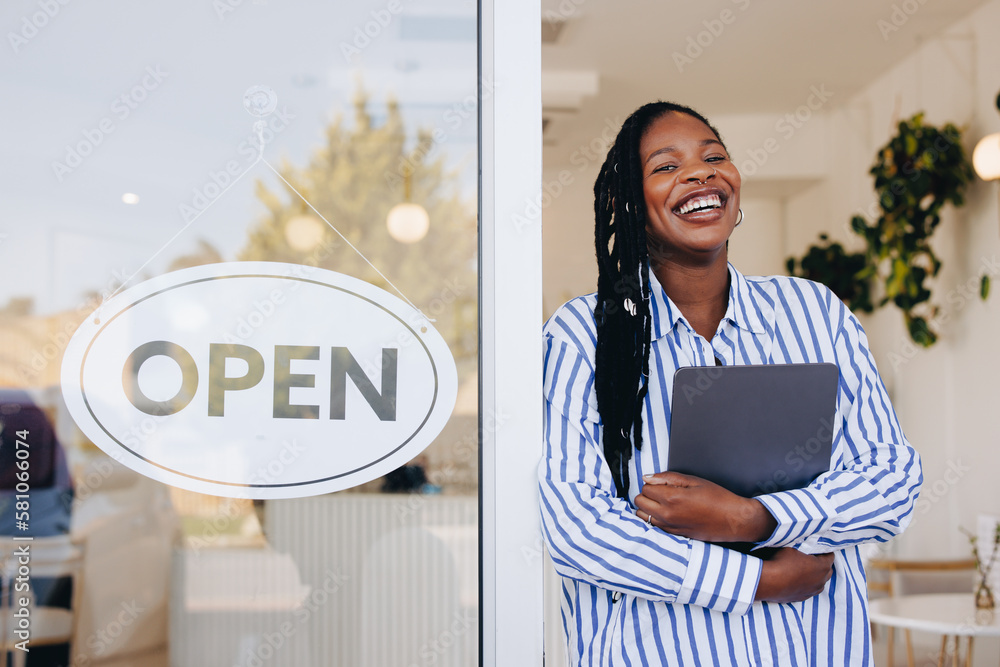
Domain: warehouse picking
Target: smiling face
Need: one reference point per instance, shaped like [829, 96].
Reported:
[691, 189]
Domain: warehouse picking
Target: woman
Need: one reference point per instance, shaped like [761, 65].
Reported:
[643, 581]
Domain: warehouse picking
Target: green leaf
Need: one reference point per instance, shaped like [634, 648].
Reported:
[867, 272]
[984, 287]
[917, 172]
[921, 333]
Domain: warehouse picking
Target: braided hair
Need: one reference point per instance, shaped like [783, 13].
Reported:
[622, 312]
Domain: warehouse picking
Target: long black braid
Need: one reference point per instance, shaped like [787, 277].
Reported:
[622, 312]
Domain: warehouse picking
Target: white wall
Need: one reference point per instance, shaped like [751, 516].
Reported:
[569, 264]
[946, 397]
[757, 247]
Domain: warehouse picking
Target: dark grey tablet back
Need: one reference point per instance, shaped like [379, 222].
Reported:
[753, 429]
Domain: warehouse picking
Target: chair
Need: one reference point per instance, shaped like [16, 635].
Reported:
[913, 577]
[52, 559]
[52, 556]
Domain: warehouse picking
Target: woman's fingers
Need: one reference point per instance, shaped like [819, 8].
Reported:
[669, 478]
[645, 504]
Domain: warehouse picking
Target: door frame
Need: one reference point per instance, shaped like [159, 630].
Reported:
[510, 258]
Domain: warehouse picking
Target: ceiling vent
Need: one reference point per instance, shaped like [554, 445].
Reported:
[563, 93]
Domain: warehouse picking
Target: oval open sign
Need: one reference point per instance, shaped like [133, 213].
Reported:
[259, 380]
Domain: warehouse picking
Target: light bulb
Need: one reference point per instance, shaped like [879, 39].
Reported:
[407, 222]
[304, 232]
[986, 157]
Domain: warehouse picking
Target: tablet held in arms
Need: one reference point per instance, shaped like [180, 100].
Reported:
[753, 429]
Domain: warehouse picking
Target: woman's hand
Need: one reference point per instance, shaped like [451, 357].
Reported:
[696, 508]
[792, 576]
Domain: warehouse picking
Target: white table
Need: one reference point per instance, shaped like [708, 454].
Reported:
[951, 614]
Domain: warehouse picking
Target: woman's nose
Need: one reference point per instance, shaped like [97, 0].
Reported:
[700, 174]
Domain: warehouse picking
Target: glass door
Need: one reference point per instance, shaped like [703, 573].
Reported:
[262, 385]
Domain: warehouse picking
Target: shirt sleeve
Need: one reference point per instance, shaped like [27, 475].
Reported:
[595, 536]
[871, 496]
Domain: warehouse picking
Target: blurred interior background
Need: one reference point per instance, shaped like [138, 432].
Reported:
[125, 123]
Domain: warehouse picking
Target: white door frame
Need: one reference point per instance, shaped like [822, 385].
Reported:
[510, 304]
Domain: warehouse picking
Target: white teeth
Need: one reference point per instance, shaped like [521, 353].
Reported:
[710, 201]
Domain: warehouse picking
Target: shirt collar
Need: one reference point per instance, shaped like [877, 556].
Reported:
[745, 310]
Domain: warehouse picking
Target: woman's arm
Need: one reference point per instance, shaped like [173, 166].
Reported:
[791, 576]
[593, 535]
[872, 497]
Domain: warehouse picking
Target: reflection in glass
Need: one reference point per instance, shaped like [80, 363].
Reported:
[373, 108]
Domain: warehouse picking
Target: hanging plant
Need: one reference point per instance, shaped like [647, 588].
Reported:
[830, 264]
[920, 170]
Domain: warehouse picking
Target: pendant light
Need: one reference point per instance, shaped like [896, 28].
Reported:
[407, 222]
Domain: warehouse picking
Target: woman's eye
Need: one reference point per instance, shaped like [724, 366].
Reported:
[665, 167]
[716, 158]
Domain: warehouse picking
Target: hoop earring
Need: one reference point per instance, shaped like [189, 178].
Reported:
[740, 220]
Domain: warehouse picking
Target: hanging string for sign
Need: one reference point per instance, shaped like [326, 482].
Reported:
[260, 102]
[360, 254]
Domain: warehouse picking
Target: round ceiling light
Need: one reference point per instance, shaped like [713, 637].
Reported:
[407, 222]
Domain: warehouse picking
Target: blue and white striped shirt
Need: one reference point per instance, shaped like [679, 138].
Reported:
[635, 595]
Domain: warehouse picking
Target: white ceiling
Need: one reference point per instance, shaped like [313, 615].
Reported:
[764, 59]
